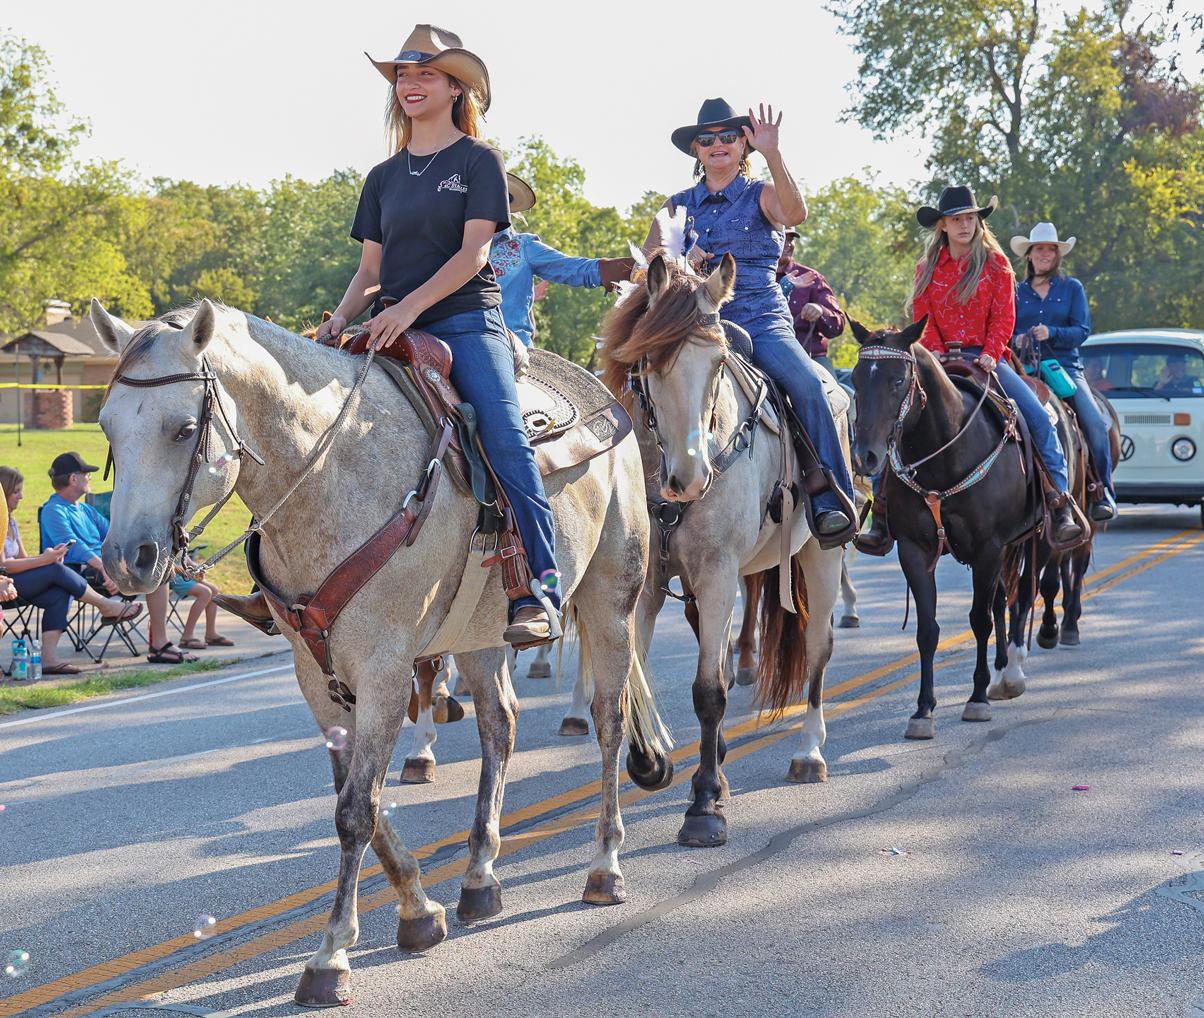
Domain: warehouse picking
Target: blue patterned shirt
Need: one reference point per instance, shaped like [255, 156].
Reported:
[731, 220]
[1064, 312]
[517, 258]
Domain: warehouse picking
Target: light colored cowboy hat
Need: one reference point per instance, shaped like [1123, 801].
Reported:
[522, 194]
[443, 50]
[1043, 233]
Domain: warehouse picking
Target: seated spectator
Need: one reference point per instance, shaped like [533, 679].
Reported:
[44, 581]
[813, 306]
[202, 593]
[66, 519]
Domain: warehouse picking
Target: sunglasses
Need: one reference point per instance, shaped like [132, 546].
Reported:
[708, 138]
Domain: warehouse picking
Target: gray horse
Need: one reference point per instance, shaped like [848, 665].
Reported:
[278, 395]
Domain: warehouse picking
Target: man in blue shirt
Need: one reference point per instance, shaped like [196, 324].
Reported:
[517, 258]
[64, 517]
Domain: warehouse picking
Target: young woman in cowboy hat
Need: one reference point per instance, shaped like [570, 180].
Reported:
[517, 258]
[732, 213]
[966, 288]
[426, 219]
[1053, 308]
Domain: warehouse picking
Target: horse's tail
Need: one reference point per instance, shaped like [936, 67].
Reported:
[1013, 567]
[782, 669]
[644, 727]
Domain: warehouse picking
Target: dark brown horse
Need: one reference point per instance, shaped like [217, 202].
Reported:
[910, 412]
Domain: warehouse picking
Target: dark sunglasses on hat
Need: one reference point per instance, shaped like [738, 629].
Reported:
[708, 138]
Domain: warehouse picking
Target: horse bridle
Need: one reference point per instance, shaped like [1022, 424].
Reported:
[181, 536]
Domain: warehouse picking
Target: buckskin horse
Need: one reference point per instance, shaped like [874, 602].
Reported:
[201, 392]
[714, 457]
[974, 495]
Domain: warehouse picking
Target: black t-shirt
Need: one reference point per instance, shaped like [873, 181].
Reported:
[419, 220]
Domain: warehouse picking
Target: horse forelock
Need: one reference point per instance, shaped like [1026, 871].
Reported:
[638, 330]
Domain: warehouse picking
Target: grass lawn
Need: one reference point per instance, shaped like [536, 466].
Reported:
[33, 459]
[58, 694]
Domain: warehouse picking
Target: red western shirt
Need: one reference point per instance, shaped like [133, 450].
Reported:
[986, 320]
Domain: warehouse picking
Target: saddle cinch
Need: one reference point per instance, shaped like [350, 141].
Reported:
[570, 417]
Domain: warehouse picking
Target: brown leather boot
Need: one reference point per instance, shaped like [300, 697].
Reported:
[252, 608]
[1064, 527]
[877, 540]
[531, 626]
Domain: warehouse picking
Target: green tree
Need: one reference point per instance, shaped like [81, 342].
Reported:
[1087, 121]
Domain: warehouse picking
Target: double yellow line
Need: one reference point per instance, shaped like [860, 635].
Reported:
[169, 978]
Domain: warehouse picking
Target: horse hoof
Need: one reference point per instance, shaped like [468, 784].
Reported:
[1047, 639]
[920, 728]
[746, 676]
[805, 771]
[574, 726]
[849, 622]
[324, 988]
[975, 711]
[650, 773]
[708, 830]
[423, 933]
[540, 669]
[604, 889]
[418, 770]
[1070, 637]
[446, 709]
[478, 903]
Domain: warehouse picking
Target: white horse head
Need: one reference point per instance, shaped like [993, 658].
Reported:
[154, 433]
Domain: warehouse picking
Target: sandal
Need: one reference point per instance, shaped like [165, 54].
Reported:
[129, 611]
[218, 641]
[62, 668]
[192, 643]
[169, 654]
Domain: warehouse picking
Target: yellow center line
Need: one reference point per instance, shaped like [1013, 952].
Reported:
[1099, 582]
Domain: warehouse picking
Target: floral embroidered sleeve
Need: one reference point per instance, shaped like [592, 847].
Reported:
[1001, 312]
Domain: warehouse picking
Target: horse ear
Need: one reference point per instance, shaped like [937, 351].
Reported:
[860, 332]
[113, 332]
[658, 276]
[203, 324]
[913, 332]
[719, 283]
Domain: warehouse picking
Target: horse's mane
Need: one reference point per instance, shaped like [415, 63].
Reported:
[633, 331]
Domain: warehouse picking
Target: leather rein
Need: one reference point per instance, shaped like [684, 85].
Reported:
[906, 472]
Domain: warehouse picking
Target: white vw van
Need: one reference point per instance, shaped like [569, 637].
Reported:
[1155, 380]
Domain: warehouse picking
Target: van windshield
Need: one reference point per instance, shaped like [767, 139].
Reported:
[1143, 370]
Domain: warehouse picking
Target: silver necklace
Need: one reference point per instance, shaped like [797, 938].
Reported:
[419, 173]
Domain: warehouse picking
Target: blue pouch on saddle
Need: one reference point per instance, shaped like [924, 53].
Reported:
[1055, 376]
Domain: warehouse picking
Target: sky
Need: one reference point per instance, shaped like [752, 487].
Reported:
[250, 91]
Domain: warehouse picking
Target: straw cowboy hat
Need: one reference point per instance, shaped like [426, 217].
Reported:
[522, 194]
[717, 112]
[1043, 233]
[953, 202]
[442, 50]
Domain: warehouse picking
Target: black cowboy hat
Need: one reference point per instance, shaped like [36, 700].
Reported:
[952, 202]
[713, 111]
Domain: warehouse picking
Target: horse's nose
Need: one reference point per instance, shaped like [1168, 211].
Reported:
[867, 462]
[145, 556]
[672, 489]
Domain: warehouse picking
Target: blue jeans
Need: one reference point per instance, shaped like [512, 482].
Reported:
[51, 588]
[483, 372]
[779, 354]
[1095, 425]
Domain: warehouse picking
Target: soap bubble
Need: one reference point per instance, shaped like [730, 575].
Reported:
[2, 807]
[220, 464]
[549, 580]
[16, 963]
[389, 810]
[336, 737]
[203, 928]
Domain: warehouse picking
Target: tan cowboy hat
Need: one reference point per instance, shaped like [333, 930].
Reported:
[522, 194]
[1043, 233]
[442, 50]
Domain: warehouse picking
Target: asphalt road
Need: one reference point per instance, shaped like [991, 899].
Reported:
[1010, 893]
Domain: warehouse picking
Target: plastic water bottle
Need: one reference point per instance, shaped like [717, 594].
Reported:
[20, 665]
[35, 660]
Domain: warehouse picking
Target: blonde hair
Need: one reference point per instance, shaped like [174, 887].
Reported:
[466, 115]
[982, 247]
